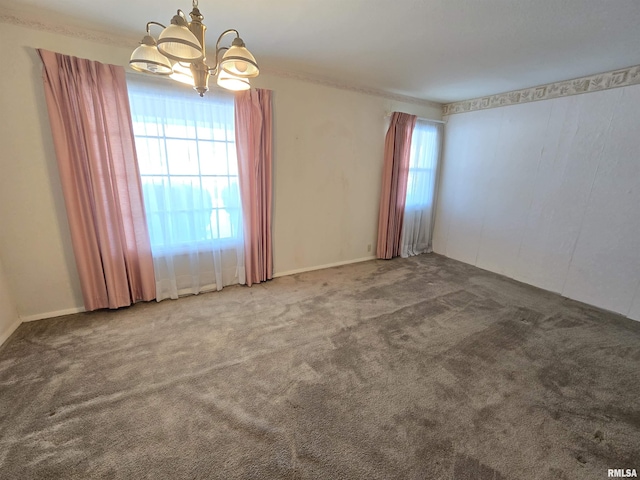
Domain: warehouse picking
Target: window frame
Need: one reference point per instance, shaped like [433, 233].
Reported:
[162, 137]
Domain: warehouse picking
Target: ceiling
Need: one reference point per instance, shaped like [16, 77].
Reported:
[439, 50]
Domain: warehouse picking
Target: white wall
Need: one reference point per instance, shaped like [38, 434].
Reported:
[35, 242]
[328, 163]
[328, 158]
[9, 319]
[548, 193]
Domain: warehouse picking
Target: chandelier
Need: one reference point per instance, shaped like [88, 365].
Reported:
[179, 53]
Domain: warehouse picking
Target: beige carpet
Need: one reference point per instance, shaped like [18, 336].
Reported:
[424, 368]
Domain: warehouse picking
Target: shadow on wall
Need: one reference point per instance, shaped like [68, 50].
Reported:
[53, 176]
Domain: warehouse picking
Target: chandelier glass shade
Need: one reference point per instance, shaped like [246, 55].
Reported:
[238, 61]
[182, 73]
[147, 58]
[178, 43]
[179, 54]
[231, 82]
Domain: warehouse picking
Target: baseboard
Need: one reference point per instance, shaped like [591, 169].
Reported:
[69, 311]
[322, 267]
[59, 313]
[10, 330]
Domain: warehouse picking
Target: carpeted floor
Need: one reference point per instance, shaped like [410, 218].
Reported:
[421, 368]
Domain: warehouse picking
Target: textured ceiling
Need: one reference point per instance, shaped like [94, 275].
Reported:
[440, 50]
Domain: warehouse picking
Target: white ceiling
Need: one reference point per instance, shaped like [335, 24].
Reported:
[440, 50]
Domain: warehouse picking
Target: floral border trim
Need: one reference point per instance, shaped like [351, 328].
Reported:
[592, 83]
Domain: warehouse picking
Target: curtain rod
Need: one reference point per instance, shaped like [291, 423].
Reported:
[388, 114]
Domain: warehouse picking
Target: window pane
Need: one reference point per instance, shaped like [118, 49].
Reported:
[151, 159]
[147, 125]
[204, 130]
[138, 126]
[233, 159]
[221, 131]
[218, 188]
[154, 223]
[182, 157]
[153, 190]
[186, 194]
[180, 128]
[213, 158]
[422, 166]
[188, 169]
[224, 223]
[215, 234]
[235, 220]
[232, 197]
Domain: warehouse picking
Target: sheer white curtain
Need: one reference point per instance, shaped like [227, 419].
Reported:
[421, 188]
[189, 171]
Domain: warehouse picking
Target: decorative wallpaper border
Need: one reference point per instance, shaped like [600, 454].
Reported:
[592, 83]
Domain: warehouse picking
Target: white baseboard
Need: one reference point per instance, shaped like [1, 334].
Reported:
[69, 311]
[59, 313]
[10, 330]
[322, 267]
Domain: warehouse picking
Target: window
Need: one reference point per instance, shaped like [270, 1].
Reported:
[422, 165]
[421, 188]
[188, 167]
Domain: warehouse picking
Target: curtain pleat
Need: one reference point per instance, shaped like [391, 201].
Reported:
[93, 138]
[397, 149]
[254, 133]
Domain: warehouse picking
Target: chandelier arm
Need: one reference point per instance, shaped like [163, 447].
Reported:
[214, 70]
[231, 30]
[180, 18]
[220, 49]
[153, 23]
